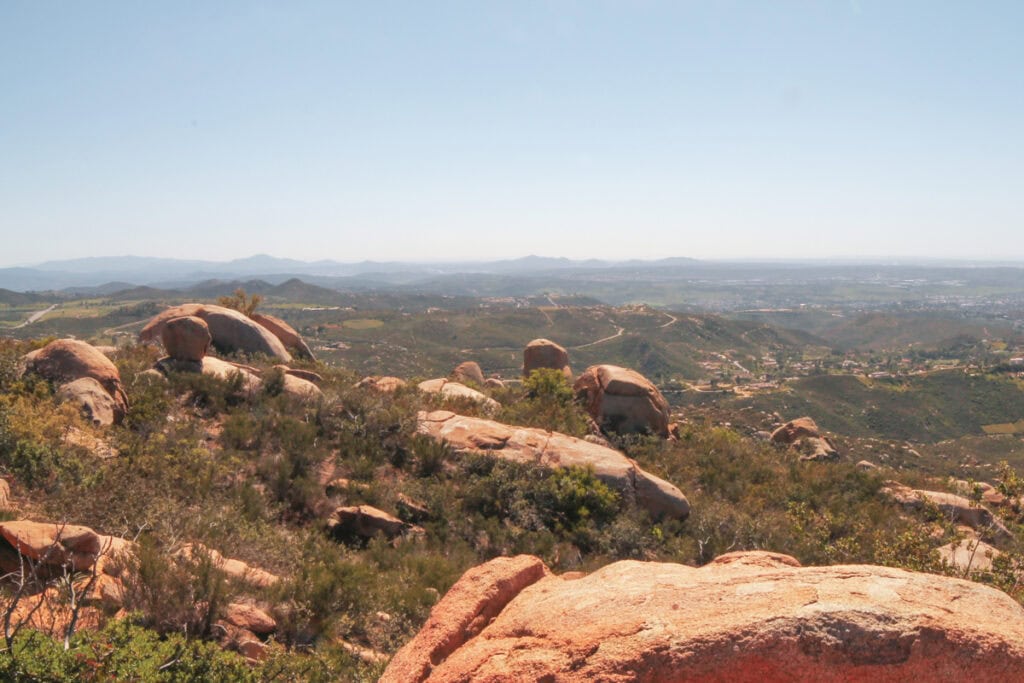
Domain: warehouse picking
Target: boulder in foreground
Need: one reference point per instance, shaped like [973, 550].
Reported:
[744, 618]
[66, 360]
[551, 449]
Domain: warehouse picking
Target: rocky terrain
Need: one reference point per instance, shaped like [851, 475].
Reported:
[213, 495]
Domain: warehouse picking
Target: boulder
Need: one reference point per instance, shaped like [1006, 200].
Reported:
[66, 360]
[366, 521]
[383, 385]
[455, 391]
[554, 450]
[957, 508]
[803, 435]
[57, 545]
[468, 371]
[150, 376]
[229, 330]
[622, 400]
[5, 495]
[186, 338]
[544, 353]
[969, 555]
[478, 597]
[214, 367]
[794, 430]
[236, 569]
[866, 465]
[95, 403]
[745, 618]
[247, 616]
[990, 495]
[493, 383]
[301, 388]
[241, 640]
[291, 339]
[153, 330]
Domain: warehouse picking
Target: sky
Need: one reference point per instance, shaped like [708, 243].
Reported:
[447, 131]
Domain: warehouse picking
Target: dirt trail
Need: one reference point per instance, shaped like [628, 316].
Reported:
[35, 317]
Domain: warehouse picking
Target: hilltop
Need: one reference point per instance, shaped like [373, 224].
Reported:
[329, 509]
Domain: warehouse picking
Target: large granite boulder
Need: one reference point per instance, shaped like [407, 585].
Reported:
[622, 400]
[468, 371]
[186, 338]
[544, 353]
[553, 450]
[744, 618]
[66, 360]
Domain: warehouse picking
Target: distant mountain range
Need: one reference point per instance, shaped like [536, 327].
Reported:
[109, 274]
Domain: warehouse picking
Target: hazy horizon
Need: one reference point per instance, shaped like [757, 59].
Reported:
[456, 132]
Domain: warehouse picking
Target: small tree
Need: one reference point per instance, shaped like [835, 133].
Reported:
[241, 302]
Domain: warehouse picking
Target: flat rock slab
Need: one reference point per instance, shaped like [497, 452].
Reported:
[552, 449]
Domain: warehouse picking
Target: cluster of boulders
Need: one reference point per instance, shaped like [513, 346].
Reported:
[32, 554]
[803, 436]
[187, 333]
[747, 616]
[84, 376]
[232, 331]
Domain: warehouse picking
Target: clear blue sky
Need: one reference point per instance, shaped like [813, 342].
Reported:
[456, 130]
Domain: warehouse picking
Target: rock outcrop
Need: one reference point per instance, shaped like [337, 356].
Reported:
[383, 385]
[301, 388]
[186, 338]
[66, 360]
[622, 400]
[956, 508]
[969, 555]
[743, 618]
[469, 371]
[544, 353]
[803, 435]
[456, 391]
[230, 330]
[291, 339]
[236, 569]
[214, 367]
[53, 544]
[551, 449]
[366, 521]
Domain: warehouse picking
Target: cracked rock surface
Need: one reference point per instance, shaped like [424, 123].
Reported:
[748, 616]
